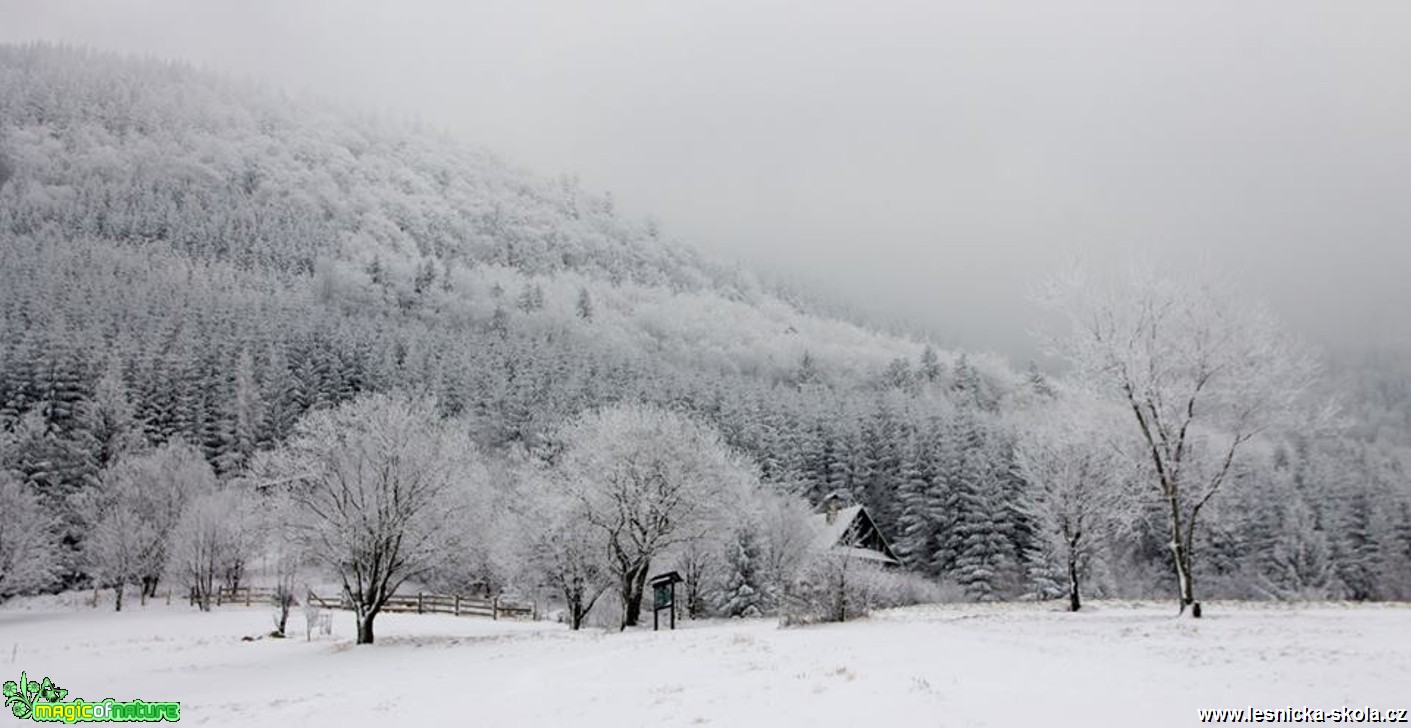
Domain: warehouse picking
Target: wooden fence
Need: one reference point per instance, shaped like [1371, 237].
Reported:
[244, 595]
[424, 603]
[419, 603]
[142, 599]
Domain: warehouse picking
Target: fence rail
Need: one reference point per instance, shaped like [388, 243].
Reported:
[244, 595]
[424, 603]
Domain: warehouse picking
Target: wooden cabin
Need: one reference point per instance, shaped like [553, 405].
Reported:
[839, 525]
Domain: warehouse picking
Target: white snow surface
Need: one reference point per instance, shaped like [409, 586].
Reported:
[944, 665]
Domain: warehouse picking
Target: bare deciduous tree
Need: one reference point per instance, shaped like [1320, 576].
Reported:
[1065, 454]
[29, 543]
[1201, 374]
[698, 562]
[784, 522]
[381, 486]
[561, 546]
[133, 512]
[647, 479]
[283, 552]
[216, 535]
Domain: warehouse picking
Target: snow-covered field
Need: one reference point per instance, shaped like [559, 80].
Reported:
[954, 665]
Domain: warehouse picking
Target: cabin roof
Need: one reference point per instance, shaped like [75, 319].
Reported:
[853, 531]
[827, 535]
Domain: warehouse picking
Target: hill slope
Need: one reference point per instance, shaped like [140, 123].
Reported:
[210, 259]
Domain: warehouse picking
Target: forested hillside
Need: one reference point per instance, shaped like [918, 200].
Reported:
[188, 258]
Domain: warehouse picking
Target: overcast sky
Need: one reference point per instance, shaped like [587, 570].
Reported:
[925, 159]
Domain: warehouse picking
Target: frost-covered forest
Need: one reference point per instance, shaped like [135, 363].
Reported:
[199, 277]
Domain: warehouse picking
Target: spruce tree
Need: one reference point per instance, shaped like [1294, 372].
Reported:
[1359, 553]
[742, 594]
[985, 559]
[916, 523]
[931, 369]
[108, 416]
[244, 413]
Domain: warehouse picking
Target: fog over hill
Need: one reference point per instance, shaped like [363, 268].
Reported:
[922, 161]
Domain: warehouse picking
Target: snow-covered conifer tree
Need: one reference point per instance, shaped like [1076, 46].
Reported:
[741, 594]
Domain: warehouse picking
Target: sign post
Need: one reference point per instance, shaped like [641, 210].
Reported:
[664, 597]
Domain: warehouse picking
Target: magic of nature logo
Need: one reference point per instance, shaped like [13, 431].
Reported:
[45, 702]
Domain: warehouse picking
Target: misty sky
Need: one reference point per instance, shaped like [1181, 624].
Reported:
[924, 159]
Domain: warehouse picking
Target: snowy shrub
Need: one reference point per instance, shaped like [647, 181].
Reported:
[831, 587]
[836, 587]
[894, 588]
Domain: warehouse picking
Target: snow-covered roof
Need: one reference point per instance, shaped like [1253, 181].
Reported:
[828, 535]
[838, 533]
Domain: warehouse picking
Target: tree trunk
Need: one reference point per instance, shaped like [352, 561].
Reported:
[117, 597]
[1074, 602]
[843, 592]
[692, 586]
[633, 583]
[284, 599]
[573, 597]
[365, 628]
[1186, 578]
[638, 587]
[201, 589]
[1181, 552]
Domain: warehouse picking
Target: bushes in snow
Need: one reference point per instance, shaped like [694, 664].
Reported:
[835, 586]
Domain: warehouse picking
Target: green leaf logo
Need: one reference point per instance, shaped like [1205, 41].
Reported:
[19, 698]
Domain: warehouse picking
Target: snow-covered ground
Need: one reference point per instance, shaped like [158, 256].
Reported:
[954, 665]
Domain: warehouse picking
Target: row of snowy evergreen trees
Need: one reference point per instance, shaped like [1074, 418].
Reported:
[937, 468]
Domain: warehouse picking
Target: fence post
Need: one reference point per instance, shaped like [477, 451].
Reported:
[219, 589]
[495, 607]
[168, 596]
[95, 597]
[247, 595]
[458, 605]
[419, 602]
